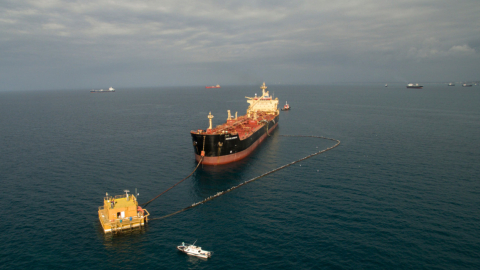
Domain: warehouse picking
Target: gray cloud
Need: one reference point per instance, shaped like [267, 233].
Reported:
[48, 44]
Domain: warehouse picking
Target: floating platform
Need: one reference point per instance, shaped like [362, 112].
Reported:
[121, 213]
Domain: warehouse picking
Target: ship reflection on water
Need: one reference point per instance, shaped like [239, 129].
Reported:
[208, 180]
[125, 241]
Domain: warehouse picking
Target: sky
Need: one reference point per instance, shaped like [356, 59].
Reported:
[85, 44]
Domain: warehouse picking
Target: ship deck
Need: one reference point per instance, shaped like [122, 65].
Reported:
[243, 126]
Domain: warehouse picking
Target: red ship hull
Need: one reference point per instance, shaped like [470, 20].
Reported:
[212, 87]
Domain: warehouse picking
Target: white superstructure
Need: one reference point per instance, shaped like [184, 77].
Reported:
[194, 251]
[264, 103]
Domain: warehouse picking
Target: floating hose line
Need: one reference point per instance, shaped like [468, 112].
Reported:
[147, 203]
[248, 181]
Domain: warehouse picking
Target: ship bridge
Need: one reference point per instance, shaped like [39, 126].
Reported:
[264, 103]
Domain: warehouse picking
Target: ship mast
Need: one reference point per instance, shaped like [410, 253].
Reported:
[210, 116]
[263, 87]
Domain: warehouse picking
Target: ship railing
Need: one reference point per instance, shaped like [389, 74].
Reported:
[125, 221]
[110, 198]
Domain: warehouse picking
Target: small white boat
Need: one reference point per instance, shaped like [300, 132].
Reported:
[194, 250]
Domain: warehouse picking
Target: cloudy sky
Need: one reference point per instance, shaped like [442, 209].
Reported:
[76, 44]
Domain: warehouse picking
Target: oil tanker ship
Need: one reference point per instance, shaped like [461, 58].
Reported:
[213, 86]
[111, 89]
[416, 86]
[238, 136]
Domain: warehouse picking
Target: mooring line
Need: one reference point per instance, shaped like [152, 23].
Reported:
[145, 204]
[251, 180]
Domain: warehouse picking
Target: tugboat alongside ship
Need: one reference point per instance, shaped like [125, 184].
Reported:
[286, 107]
[239, 135]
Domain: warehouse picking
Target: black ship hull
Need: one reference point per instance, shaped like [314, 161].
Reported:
[225, 148]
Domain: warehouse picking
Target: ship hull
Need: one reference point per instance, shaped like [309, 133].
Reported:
[224, 148]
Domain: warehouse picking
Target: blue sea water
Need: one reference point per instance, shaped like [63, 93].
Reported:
[401, 191]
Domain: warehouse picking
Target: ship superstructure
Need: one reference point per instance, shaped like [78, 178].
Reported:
[239, 135]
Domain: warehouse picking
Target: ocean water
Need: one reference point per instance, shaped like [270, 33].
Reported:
[401, 191]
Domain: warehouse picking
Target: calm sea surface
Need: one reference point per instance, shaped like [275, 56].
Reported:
[402, 191]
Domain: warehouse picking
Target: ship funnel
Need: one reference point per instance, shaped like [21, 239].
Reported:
[229, 115]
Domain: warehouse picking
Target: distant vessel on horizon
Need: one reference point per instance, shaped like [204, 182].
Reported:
[213, 86]
[466, 85]
[111, 89]
[416, 86]
[451, 84]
